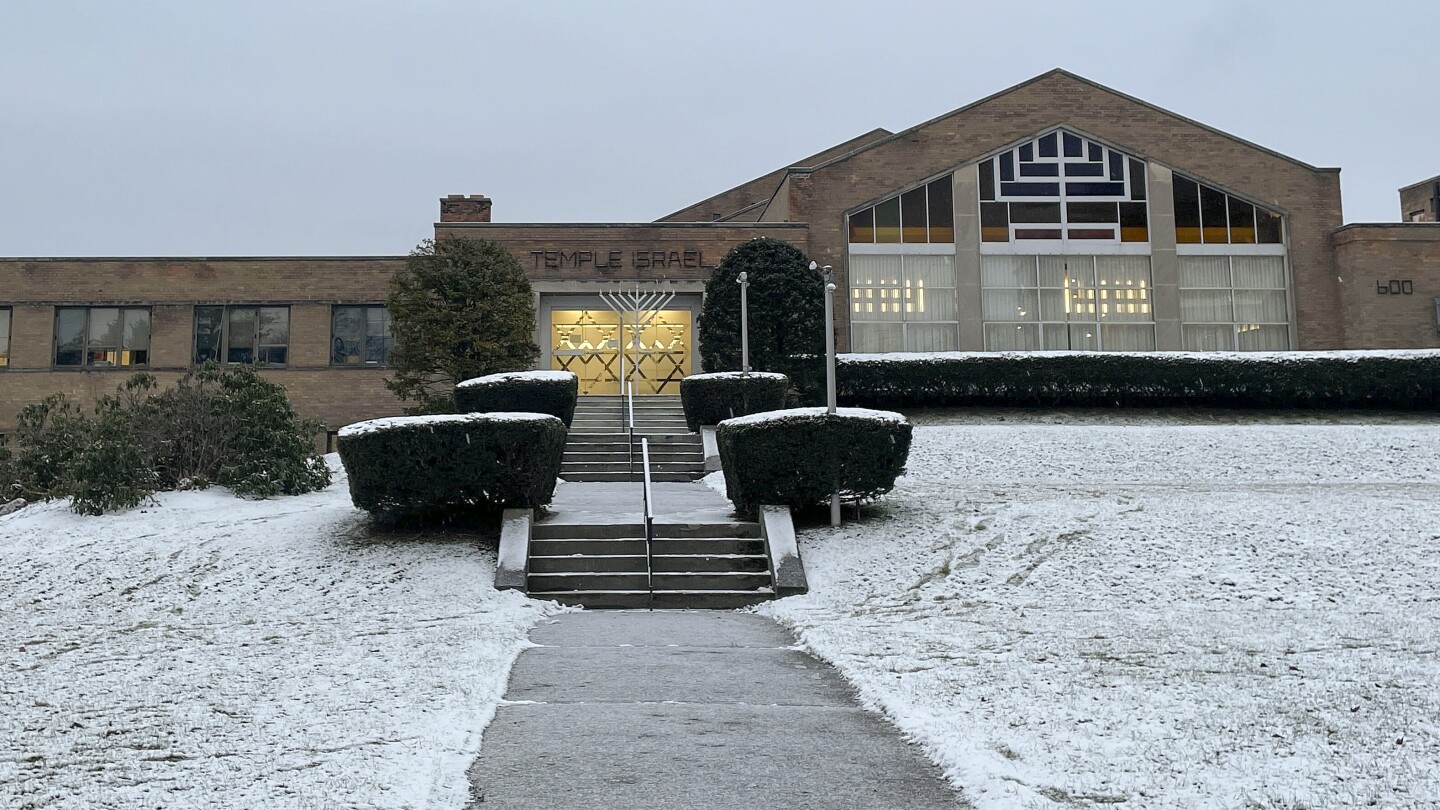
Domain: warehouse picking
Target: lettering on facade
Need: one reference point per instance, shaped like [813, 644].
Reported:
[620, 259]
[1395, 286]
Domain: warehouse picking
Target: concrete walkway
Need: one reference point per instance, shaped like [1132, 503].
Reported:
[636, 710]
[622, 502]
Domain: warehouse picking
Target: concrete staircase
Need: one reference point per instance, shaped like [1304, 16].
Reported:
[598, 446]
[717, 565]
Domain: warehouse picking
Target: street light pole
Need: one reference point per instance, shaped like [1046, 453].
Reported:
[829, 340]
[744, 282]
[830, 368]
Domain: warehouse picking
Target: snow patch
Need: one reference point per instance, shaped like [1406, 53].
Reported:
[1165, 616]
[511, 376]
[206, 651]
[1217, 357]
[394, 422]
[737, 375]
[767, 417]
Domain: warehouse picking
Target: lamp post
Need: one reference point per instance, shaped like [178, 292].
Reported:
[830, 367]
[744, 282]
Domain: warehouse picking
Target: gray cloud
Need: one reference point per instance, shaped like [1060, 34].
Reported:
[268, 127]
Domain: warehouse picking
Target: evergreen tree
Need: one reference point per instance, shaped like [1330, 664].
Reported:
[786, 303]
[461, 308]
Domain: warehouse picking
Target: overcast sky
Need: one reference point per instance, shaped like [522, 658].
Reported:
[285, 127]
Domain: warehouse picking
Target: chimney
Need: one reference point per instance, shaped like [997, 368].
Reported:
[465, 208]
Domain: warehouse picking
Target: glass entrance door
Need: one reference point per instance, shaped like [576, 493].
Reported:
[589, 343]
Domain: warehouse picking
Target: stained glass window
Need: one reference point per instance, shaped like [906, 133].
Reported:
[1205, 215]
[1063, 186]
[922, 215]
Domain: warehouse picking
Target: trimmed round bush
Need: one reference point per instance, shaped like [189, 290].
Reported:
[552, 392]
[798, 457]
[452, 464]
[709, 399]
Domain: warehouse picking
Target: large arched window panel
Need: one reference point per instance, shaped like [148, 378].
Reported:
[1063, 187]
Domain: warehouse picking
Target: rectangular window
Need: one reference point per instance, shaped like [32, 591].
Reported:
[1234, 303]
[913, 218]
[1096, 303]
[903, 303]
[1187, 211]
[942, 210]
[360, 335]
[862, 227]
[102, 337]
[887, 221]
[242, 334]
[4, 337]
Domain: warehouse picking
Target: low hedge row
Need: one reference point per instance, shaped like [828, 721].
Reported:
[709, 399]
[552, 392]
[799, 457]
[1407, 380]
[449, 465]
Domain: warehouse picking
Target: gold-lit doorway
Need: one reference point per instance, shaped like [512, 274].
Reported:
[588, 342]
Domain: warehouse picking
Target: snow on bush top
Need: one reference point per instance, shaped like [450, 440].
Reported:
[393, 422]
[793, 413]
[1228, 357]
[510, 376]
[737, 375]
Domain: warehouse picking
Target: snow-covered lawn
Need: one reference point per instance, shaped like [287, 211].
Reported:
[213, 652]
[1164, 615]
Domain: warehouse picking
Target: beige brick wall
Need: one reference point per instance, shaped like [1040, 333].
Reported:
[550, 254]
[172, 288]
[1419, 198]
[1310, 198]
[563, 252]
[1402, 259]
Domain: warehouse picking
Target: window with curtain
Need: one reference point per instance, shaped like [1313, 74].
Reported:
[1234, 303]
[1097, 303]
[902, 303]
[4, 337]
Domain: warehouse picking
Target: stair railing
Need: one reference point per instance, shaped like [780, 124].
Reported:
[649, 522]
[629, 406]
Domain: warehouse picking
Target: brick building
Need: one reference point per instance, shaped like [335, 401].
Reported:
[1056, 215]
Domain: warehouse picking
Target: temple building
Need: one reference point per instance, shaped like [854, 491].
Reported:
[1055, 215]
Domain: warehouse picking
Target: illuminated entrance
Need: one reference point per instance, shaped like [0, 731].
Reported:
[588, 342]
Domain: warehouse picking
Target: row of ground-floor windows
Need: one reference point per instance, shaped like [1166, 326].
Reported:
[1105, 303]
[102, 337]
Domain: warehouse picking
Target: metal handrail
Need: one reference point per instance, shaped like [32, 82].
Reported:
[649, 522]
[629, 418]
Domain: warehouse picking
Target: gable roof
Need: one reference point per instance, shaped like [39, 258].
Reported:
[744, 198]
[1082, 80]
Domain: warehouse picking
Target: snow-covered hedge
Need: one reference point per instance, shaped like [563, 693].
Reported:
[1340, 379]
[798, 457]
[434, 466]
[552, 392]
[709, 399]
